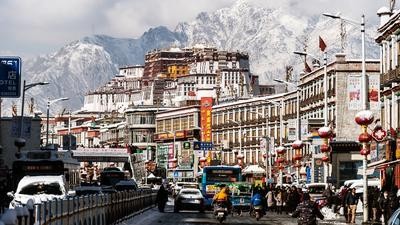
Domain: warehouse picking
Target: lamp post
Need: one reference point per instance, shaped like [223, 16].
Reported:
[326, 130]
[25, 88]
[365, 105]
[49, 103]
[240, 139]
[297, 145]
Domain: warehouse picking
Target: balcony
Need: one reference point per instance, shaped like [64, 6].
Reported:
[391, 76]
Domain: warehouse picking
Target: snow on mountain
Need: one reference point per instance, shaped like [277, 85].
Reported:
[269, 36]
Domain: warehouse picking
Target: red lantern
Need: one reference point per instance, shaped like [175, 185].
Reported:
[174, 160]
[280, 160]
[325, 148]
[298, 157]
[364, 137]
[365, 151]
[281, 167]
[280, 150]
[203, 159]
[324, 132]
[240, 156]
[297, 144]
[325, 158]
[365, 117]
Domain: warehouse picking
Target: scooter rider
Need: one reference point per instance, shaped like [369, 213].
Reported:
[223, 197]
[257, 200]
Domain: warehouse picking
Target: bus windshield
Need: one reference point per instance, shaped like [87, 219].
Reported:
[213, 176]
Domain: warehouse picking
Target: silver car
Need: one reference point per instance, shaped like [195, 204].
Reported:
[189, 199]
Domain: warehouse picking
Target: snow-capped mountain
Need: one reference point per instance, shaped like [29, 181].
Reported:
[269, 36]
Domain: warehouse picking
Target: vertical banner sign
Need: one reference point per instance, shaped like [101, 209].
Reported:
[292, 129]
[162, 151]
[354, 92]
[10, 77]
[373, 92]
[206, 118]
[171, 154]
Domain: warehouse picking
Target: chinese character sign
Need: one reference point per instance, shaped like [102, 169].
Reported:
[206, 118]
[10, 77]
[354, 92]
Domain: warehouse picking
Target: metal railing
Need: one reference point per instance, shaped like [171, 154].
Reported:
[99, 209]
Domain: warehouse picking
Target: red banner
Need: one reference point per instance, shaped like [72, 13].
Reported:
[206, 118]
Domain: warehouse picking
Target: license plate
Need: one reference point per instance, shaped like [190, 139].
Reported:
[192, 201]
[241, 200]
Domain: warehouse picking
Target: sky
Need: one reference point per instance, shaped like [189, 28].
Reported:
[33, 27]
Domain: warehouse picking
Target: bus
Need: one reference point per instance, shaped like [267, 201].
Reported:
[213, 176]
[46, 162]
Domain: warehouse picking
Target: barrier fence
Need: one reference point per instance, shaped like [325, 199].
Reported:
[99, 209]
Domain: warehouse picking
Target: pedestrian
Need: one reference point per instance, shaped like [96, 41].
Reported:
[270, 200]
[162, 198]
[352, 201]
[279, 201]
[384, 204]
[343, 196]
[375, 204]
[307, 212]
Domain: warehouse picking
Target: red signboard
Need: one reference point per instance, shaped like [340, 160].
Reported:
[206, 118]
[379, 134]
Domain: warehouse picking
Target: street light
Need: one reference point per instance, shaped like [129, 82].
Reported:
[25, 88]
[297, 145]
[325, 146]
[49, 103]
[364, 100]
[240, 138]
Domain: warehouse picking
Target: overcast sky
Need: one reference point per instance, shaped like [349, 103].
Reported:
[32, 27]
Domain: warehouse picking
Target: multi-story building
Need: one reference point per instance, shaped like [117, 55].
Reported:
[388, 40]
[176, 131]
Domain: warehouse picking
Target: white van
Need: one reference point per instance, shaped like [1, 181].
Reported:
[359, 185]
[39, 189]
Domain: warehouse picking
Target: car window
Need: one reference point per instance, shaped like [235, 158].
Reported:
[41, 188]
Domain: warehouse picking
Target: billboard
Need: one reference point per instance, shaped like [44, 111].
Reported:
[206, 118]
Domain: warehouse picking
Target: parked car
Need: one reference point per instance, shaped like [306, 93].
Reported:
[88, 190]
[38, 189]
[189, 199]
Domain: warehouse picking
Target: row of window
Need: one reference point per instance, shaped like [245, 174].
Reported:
[180, 123]
[140, 119]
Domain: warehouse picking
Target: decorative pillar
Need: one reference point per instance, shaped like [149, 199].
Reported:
[280, 151]
[297, 146]
[325, 133]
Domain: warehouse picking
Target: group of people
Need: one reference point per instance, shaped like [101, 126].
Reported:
[381, 203]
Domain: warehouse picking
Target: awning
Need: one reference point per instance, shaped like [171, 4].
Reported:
[377, 163]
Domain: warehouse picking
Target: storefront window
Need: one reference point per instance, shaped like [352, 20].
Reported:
[348, 171]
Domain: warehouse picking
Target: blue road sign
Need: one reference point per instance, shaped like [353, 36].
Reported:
[201, 145]
[10, 77]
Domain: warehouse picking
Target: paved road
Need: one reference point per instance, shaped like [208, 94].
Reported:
[153, 217]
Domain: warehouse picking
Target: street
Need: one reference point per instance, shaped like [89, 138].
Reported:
[153, 216]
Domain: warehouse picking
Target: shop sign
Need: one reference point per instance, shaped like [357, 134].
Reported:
[398, 148]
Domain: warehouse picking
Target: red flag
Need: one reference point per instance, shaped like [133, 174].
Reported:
[393, 132]
[322, 44]
[307, 67]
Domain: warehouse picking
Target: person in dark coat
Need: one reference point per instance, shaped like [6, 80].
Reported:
[351, 202]
[384, 204]
[307, 212]
[162, 198]
[375, 204]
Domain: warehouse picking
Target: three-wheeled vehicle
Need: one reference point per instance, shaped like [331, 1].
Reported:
[241, 194]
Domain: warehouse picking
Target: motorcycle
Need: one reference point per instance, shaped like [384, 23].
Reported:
[258, 212]
[220, 211]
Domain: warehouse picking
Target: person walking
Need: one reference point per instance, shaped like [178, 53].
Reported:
[352, 201]
[384, 204]
[270, 200]
[162, 198]
[307, 212]
[279, 201]
[375, 204]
